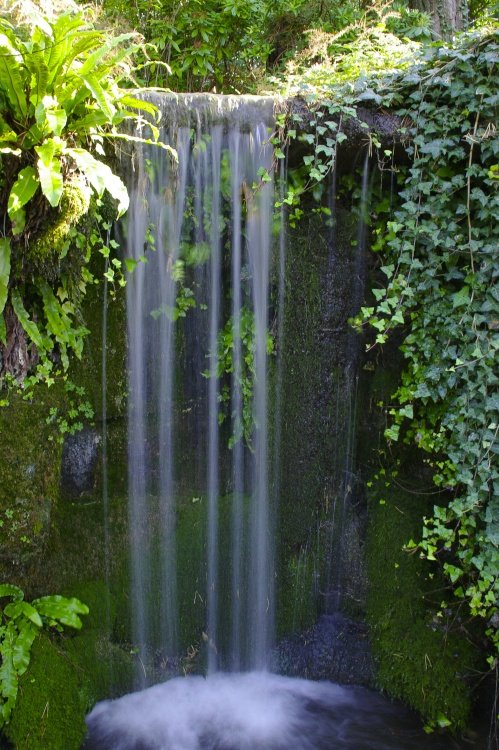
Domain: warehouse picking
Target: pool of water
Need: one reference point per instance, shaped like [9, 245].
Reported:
[256, 711]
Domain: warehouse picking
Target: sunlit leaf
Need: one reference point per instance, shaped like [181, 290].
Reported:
[49, 172]
[4, 278]
[22, 190]
[101, 177]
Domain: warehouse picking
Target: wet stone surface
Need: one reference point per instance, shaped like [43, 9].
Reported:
[335, 648]
[79, 461]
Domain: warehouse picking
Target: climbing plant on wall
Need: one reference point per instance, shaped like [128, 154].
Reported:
[438, 282]
[439, 261]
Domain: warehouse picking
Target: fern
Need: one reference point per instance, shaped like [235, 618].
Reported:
[60, 94]
[20, 622]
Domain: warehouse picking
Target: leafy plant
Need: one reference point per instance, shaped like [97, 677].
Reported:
[61, 100]
[243, 425]
[439, 281]
[20, 622]
[78, 409]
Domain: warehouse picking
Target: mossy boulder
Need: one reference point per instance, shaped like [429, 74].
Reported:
[51, 702]
[423, 652]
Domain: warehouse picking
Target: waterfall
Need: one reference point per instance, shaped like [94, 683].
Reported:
[198, 237]
[218, 430]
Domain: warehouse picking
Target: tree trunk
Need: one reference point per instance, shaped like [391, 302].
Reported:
[448, 16]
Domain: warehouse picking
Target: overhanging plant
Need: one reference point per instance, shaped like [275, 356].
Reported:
[62, 97]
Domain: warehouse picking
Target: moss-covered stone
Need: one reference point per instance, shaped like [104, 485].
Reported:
[74, 204]
[67, 675]
[51, 702]
[318, 412]
[424, 658]
[29, 467]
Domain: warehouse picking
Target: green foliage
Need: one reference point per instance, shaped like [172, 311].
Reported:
[336, 64]
[229, 339]
[200, 43]
[61, 98]
[231, 46]
[439, 280]
[437, 247]
[19, 625]
[77, 410]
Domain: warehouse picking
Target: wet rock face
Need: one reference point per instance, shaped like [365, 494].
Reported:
[336, 648]
[79, 462]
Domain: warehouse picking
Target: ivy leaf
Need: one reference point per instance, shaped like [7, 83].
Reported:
[461, 298]
[29, 326]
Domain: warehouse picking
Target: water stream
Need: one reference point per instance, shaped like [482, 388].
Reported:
[205, 222]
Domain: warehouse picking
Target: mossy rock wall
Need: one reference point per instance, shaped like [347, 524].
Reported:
[318, 416]
[423, 658]
[29, 467]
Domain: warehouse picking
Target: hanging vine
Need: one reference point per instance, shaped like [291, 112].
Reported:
[439, 261]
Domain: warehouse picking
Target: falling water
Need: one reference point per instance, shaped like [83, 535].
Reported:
[177, 209]
[151, 297]
[237, 406]
[345, 400]
[105, 483]
[213, 401]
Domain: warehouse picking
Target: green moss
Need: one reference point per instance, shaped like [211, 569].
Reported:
[297, 593]
[316, 391]
[74, 204]
[191, 572]
[422, 658]
[67, 675]
[51, 702]
[30, 469]
[108, 668]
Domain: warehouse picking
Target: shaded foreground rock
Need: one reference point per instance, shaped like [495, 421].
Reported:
[335, 648]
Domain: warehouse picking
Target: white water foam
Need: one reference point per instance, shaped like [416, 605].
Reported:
[253, 711]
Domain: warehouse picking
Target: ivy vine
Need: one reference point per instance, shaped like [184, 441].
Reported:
[437, 241]
[439, 261]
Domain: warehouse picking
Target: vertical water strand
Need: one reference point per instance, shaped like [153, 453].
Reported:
[361, 236]
[137, 227]
[333, 489]
[280, 333]
[350, 389]
[236, 404]
[213, 403]
[170, 219]
[105, 486]
[198, 321]
[261, 585]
